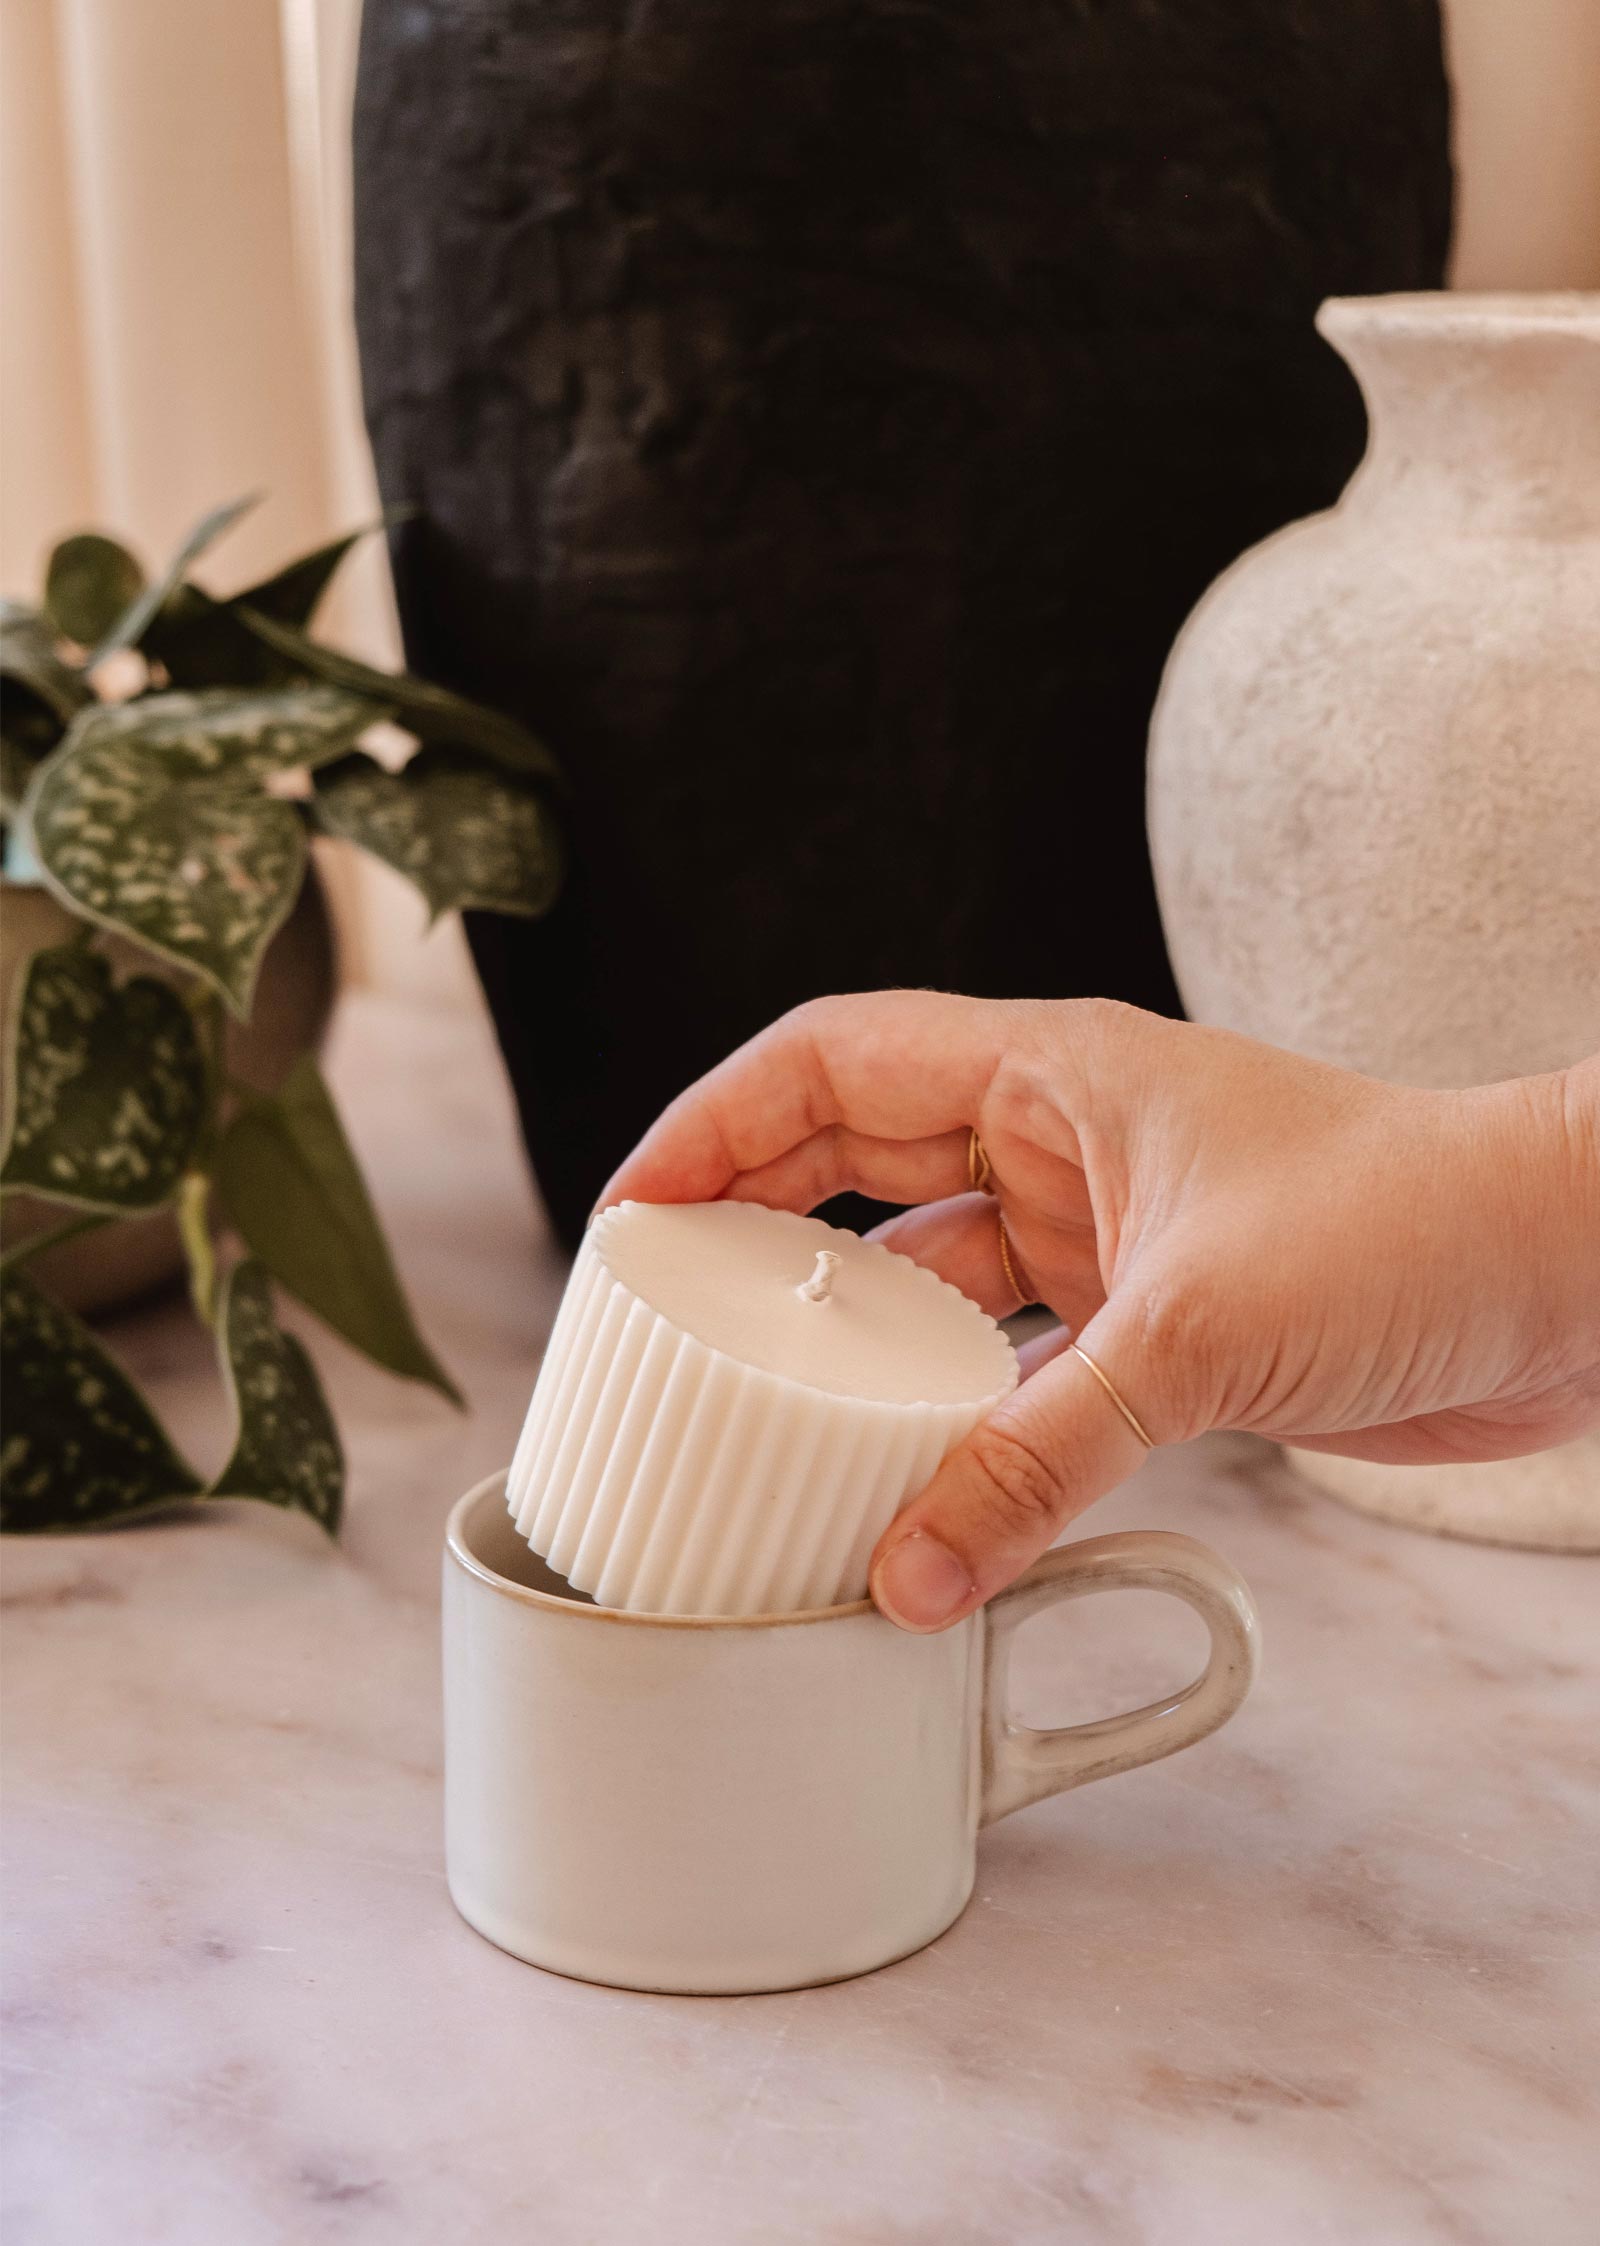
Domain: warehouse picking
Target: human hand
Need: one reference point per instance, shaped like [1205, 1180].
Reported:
[1236, 1236]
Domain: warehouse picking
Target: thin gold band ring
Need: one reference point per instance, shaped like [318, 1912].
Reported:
[1112, 1393]
[980, 1177]
[1023, 1294]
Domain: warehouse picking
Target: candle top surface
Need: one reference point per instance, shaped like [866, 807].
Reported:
[882, 1329]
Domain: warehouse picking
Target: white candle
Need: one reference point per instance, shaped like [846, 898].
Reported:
[736, 1402]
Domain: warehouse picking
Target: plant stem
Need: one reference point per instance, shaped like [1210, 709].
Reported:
[193, 1224]
[211, 1029]
[35, 1245]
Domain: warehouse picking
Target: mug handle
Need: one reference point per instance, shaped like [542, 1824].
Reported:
[1021, 1765]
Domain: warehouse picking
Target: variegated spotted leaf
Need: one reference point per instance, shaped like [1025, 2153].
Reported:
[129, 628]
[149, 818]
[89, 583]
[431, 712]
[287, 1450]
[291, 1186]
[107, 1085]
[465, 832]
[247, 732]
[81, 1448]
[202, 872]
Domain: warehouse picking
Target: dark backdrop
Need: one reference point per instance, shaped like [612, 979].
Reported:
[821, 414]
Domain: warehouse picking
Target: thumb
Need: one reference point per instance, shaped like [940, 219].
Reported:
[1003, 1495]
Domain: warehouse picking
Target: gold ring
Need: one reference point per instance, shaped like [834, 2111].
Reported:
[1111, 1392]
[980, 1171]
[1024, 1297]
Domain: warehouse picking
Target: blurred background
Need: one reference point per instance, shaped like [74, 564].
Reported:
[176, 215]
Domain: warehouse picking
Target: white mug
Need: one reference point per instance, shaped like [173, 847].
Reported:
[762, 1802]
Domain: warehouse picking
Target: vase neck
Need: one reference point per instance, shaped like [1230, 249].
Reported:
[1484, 412]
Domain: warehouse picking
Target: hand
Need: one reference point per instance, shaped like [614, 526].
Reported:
[1238, 1237]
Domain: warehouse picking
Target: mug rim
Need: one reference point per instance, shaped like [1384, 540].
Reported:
[458, 1550]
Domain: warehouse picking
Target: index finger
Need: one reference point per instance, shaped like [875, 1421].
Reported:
[896, 1064]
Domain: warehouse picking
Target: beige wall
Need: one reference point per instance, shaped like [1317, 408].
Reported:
[174, 229]
[174, 241]
[147, 185]
[1527, 79]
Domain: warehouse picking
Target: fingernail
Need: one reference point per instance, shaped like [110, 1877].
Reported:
[919, 1584]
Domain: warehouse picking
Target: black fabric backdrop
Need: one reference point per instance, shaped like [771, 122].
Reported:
[821, 415]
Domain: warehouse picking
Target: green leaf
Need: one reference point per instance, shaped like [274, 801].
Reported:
[292, 593]
[39, 697]
[200, 641]
[200, 871]
[90, 583]
[245, 732]
[290, 1185]
[149, 818]
[129, 628]
[82, 1449]
[107, 1085]
[466, 832]
[287, 1451]
[433, 713]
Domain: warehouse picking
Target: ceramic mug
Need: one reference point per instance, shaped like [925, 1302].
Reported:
[762, 1802]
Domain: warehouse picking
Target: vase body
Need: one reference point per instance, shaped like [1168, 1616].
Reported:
[818, 417]
[1375, 770]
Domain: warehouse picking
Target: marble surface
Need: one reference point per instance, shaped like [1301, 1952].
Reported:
[1331, 1976]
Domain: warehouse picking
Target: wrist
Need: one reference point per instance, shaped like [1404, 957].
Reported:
[1543, 1168]
[1578, 1098]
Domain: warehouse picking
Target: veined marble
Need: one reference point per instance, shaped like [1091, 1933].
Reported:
[1332, 1976]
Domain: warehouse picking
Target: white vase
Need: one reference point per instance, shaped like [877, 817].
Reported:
[1375, 770]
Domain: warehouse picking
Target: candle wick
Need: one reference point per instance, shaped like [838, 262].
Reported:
[820, 1284]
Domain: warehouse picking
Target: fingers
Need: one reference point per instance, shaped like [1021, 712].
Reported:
[1043, 1350]
[839, 1160]
[960, 1240]
[1001, 1498]
[895, 1065]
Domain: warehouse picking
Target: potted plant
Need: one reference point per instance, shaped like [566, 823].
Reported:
[170, 827]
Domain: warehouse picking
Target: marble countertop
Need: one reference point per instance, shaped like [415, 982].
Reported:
[1331, 1976]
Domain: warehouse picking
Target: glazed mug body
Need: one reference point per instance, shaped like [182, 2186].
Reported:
[730, 1805]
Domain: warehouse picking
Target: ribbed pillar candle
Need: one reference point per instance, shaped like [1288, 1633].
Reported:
[734, 1404]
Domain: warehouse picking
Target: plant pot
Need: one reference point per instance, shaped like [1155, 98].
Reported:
[293, 1002]
[1374, 779]
[819, 419]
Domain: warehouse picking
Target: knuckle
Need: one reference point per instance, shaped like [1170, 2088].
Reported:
[1182, 1348]
[1020, 1488]
[809, 1016]
[1175, 1316]
[1101, 1017]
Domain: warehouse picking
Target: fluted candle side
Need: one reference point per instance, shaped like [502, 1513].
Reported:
[662, 1475]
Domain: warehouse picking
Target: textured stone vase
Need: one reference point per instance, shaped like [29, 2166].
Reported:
[1375, 770]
